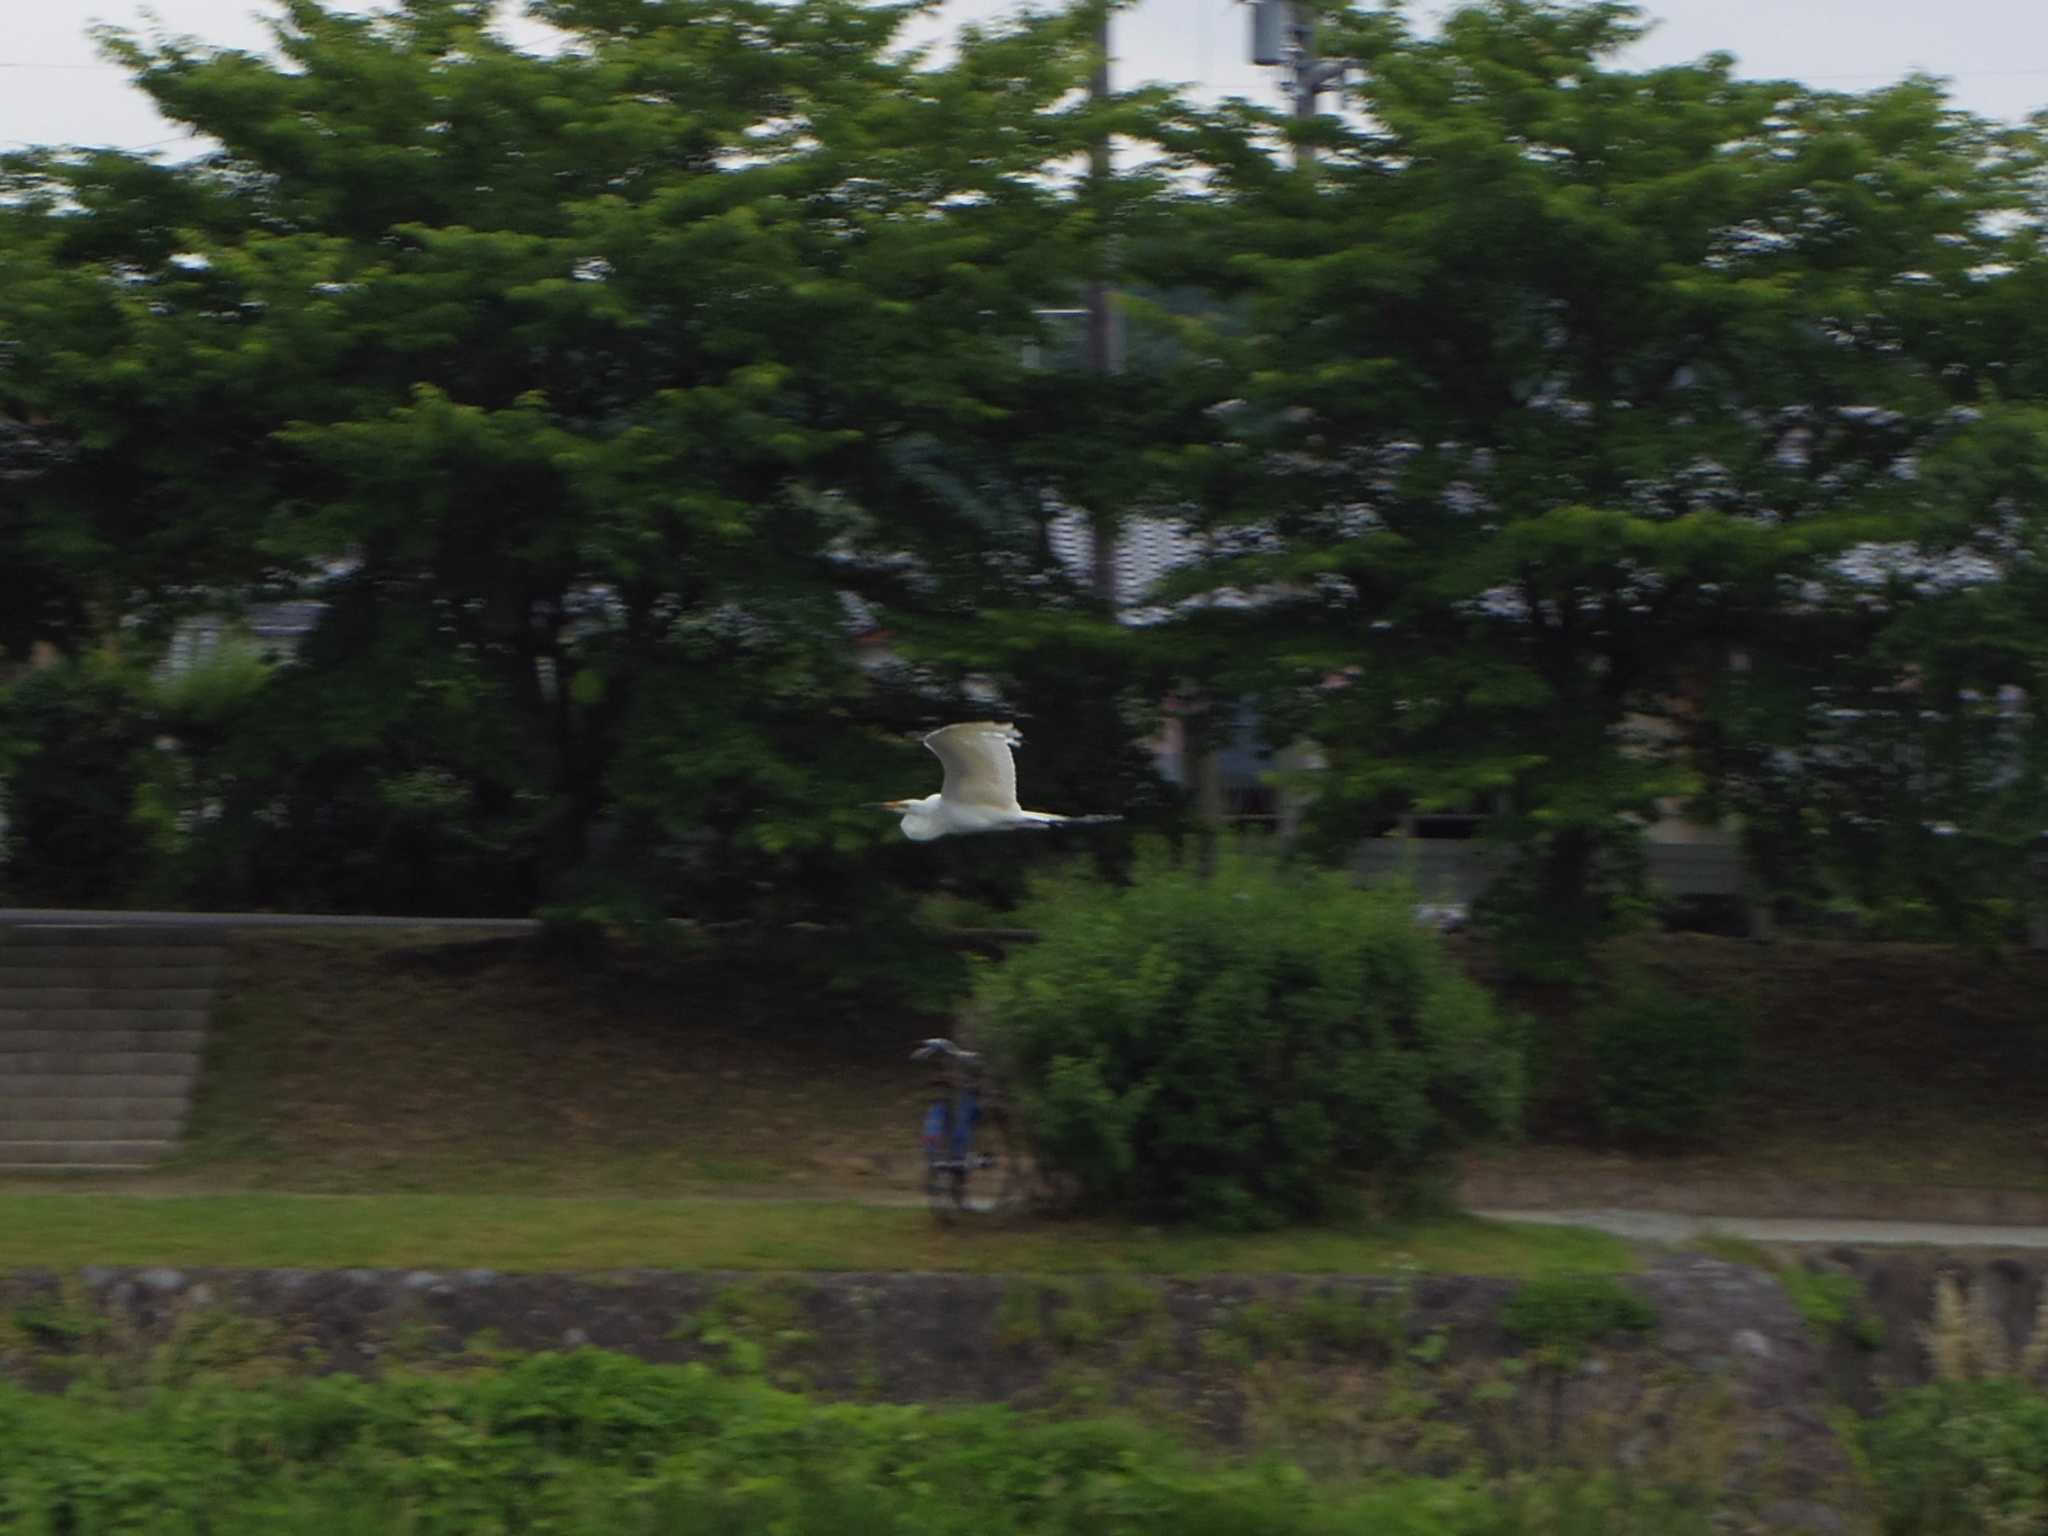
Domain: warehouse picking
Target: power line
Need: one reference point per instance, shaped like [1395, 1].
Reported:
[1945, 74]
[1861, 74]
[126, 149]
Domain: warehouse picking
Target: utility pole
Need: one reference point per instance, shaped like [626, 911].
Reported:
[1105, 354]
[1284, 33]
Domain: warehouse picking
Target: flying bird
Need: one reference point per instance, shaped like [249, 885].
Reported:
[980, 789]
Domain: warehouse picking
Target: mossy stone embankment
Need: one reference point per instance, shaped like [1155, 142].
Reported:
[1696, 1370]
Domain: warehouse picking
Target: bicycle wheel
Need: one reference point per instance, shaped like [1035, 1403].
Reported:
[988, 1185]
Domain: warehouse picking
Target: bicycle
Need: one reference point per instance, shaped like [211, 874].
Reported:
[971, 1151]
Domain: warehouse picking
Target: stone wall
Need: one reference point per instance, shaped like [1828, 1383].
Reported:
[1887, 1343]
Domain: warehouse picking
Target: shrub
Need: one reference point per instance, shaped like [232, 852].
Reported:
[1832, 1302]
[1239, 1049]
[80, 732]
[1665, 1067]
[1565, 1313]
[1565, 890]
[1959, 1458]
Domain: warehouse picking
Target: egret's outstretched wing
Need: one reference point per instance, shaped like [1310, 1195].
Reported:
[979, 768]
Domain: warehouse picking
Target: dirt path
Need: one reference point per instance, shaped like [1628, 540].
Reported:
[1678, 1227]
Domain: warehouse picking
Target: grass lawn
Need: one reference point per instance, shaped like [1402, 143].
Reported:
[59, 1230]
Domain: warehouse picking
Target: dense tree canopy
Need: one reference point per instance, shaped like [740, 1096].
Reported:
[586, 388]
[567, 374]
[1572, 389]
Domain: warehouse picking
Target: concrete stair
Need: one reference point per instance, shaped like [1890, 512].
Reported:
[101, 1033]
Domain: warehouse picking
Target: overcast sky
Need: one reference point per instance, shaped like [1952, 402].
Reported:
[53, 90]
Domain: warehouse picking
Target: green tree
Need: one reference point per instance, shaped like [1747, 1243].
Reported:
[1560, 380]
[577, 376]
[1894, 762]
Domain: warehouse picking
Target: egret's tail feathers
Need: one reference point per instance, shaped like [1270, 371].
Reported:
[1048, 819]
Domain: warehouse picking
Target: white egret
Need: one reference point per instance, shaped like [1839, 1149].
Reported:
[980, 789]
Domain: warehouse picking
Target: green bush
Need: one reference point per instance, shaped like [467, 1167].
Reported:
[1665, 1067]
[80, 734]
[1241, 1049]
[1833, 1302]
[1566, 889]
[1565, 1313]
[1960, 1458]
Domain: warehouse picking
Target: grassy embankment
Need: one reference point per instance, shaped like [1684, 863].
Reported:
[444, 1082]
[373, 1063]
[1872, 1063]
[430, 1100]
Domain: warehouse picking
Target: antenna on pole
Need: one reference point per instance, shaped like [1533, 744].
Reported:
[1105, 344]
[1284, 34]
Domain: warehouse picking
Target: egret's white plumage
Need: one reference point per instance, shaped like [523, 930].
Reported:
[979, 793]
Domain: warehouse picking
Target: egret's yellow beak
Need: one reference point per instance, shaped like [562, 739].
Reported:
[894, 807]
